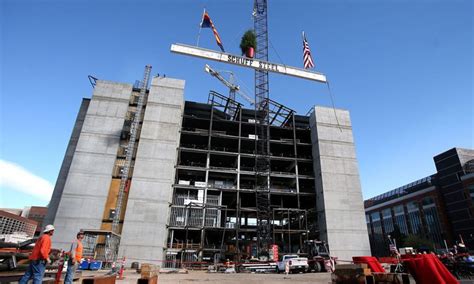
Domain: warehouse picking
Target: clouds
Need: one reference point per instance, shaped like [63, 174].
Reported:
[20, 179]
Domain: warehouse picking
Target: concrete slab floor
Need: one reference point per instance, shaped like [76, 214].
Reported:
[198, 277]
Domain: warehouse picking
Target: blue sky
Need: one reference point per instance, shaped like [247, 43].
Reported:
[404, 69]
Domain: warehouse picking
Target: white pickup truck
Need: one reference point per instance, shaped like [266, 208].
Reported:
[295, 263]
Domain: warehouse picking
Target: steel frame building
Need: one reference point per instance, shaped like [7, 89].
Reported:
[214, 200]
[192, 186]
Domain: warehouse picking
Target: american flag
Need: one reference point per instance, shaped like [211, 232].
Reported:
[307, 59]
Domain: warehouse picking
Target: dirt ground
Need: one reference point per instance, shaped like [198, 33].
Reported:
[198, 277]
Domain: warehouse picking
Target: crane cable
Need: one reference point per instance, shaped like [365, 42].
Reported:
[327, 84]
[332, 102]
[242, 84]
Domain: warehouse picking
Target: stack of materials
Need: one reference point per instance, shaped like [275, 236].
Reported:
[149, 274]
[149, 270]
[361, 273]
[350, 273]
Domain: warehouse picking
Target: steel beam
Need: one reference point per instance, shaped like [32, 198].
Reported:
[247, 62]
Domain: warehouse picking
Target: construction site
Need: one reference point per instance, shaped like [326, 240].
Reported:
[197, 182]
[232, 182]
[155, 178]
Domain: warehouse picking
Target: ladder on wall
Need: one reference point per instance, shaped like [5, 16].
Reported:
[124, 182]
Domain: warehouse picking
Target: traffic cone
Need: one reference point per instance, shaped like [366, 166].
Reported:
[61, 266]
[122, 268]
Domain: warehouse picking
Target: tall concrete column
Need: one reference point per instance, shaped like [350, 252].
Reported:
[63, 172]
[341, 215]
[85, 190]
[144, 232]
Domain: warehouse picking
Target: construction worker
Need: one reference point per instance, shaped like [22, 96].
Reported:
[39, 257]
[287, 267]
[75, 256]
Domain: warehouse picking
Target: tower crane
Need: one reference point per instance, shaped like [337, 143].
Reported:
[233, 88]
[262, 110]
[262, 129]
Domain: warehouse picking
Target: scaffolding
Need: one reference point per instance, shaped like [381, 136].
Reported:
[101, 245]
[192, 214]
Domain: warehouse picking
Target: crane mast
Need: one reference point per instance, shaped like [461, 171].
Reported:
[264, 117]
[262, 130]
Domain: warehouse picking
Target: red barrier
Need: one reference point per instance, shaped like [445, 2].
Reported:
[391, 260]
[428, 269]
[371, 261]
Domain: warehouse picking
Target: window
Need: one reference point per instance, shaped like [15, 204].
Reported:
[471, 191]
[428, 201]
[377, 239]
[398, 210]
[375, 216]
[387, 220]
[369, 227]
[412, 206]
[414, 217]
[433, 224]
[376, 224]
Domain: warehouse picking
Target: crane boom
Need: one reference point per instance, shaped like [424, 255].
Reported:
[232, 87]
[216, 74]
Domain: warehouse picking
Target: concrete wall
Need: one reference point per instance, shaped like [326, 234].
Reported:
[144, 233]
[341, 215]
[465, 155]
[81, 205]
[63, 172]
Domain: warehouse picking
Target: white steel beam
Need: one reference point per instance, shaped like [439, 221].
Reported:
[247, 62]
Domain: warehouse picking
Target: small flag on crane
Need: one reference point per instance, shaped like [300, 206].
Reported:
[307, 59]
[207, 23]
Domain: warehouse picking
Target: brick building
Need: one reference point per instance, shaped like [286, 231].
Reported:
[439, 207]
[11, 223]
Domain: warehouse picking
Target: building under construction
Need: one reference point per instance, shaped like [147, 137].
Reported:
[191, 189]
